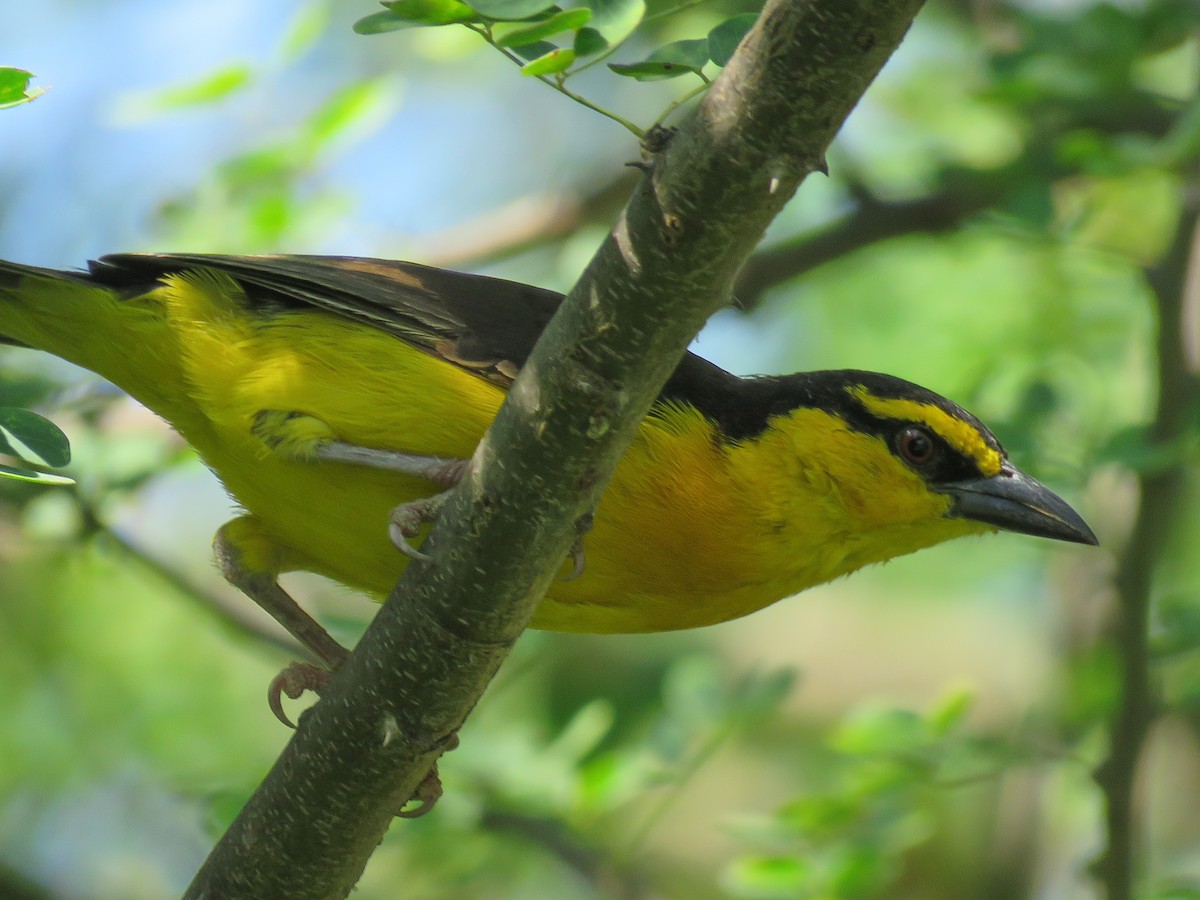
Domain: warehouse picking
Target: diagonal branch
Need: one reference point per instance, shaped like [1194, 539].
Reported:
[394, 706]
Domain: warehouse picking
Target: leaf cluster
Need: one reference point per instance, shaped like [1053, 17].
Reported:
[553, 43]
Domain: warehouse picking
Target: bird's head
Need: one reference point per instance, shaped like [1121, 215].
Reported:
[902, 467]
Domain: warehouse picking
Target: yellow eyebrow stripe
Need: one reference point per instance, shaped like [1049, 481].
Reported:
[958, 434]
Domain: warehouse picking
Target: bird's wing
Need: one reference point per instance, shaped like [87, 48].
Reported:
[485, 325]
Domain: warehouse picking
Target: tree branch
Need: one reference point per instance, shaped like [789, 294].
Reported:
[525, 224]
[1161, 493]
[872, 221]
[390, 711]
[960, 193]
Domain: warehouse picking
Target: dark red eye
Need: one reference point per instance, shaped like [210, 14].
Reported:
[916, 446]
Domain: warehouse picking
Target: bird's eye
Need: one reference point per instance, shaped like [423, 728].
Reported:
[916, 446]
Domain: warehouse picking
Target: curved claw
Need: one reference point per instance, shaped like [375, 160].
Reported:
[427, 794]
[400, 541]
[579, 560]
[294, 680]
[582, 526]
[406, 522]
[429, 791]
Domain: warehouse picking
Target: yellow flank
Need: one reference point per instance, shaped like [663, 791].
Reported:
[959, 434]
[693, 529]
[694, 532]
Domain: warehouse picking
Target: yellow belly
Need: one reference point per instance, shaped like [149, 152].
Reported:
[655, 559]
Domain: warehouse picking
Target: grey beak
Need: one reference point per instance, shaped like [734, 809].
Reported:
[1015, 502]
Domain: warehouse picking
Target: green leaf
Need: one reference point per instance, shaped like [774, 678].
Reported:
[584, 732]
[555, 61]
[14, 87]
[614, 20]
[668, 61]
[694, 690]
[33, 438]
[383, 22]
[1175, 892]
[415, 14]
[138, 106]
[821, 815]
[759, 694]
[510, 10]
[34, 477]
[588, 42]
[565, 20]
[724, 39]
[432, 12]
[530, 52]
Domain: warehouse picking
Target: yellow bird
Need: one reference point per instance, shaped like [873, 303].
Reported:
[326, 392]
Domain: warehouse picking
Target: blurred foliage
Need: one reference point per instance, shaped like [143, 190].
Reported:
[849, 839]
[995, 206]
[551, 43]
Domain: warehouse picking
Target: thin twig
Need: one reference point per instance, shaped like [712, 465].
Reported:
[485, 32]
[679, 101]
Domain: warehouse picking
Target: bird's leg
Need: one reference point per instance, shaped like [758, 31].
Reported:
[443, 472]
[244, 554]
[406, 519]
[305, 437]
[247, 556]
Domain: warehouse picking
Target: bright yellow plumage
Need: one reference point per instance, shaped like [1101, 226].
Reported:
[705, 520]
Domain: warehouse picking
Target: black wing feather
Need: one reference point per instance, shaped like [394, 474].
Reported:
[470, 320]
[486, 325]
